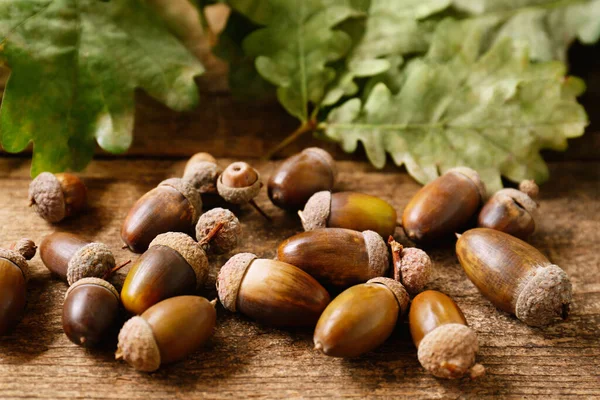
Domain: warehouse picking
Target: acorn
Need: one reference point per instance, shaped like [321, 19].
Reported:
[91, 312]
[300, 176]
[173, 265]
[361, 318]
[336, 256]
[227, 237]
[71, 257]
[350, 210]
[173, 206]
[14, 272]
[443, 206]
[411, 266]
[272, 292]
[57, 196]
[240, 184]
[515, 276]
[167, 332]
[25, 247]
[447, 347]
[202, 172]
[511, 211]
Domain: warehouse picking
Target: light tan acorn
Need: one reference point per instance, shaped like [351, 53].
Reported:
[202, 172]
[411, 266]
[240, 184]
[57, 196]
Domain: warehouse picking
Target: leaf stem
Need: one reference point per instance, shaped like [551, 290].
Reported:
[306, 127]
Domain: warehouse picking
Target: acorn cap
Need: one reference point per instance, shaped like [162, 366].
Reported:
[137, 345]
[509, 195]
[93, 281]
[189, 192]
[545, 297]
[92, 260]
[316, 211]
[416, 269]
[191, 251]
[228, 236]
[16, 259]
[25, 247]
[474, 177]
[230, 278]
[199, 157]
[530, 188]
[240, 195]
[325, 157]
[47, 198]
[397, 288]
[202, 175]
[449, 352]
[378, 253]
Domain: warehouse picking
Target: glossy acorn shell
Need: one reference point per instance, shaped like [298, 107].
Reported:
[90, 315]
[299, 177]
[13, 290]
[74, 191]
[163, 209]
[441, 208]
[158, 274]
[357, 321]
[429, 310]
[57, 249]
[507, 216]
[362, 212]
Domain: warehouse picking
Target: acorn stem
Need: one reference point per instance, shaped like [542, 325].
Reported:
[115, 269]
[260, 210]
[396, 258]
[211, 235]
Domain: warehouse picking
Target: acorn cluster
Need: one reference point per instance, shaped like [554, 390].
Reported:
[347, 248]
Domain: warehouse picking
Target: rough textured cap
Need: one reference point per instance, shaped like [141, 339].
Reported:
[189, 192]
[227, 238]
[530, 188]
[16, 259]
[316, 211]
[25, 247]
[399, 291]
[202, 175]
[415, 269]
[230, 278]
[238, 195]
[474, 177]
[191, 251]
[325, 157]
[93, 281]
[449, 352]
[92, 260]
[47, 198]
[545, 297]
[378, 254]
[137, 345]
[509, 195]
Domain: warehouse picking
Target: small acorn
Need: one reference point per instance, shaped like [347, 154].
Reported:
[173, 206]
[173, 265]
[71, 257]
[228, 235]
[25, 247]
[336, 256]
[361, 318]
[91, 312]
[57, 196]
[300, 176]
[411, 266]
[446, 345]
[14, 272]
[202, 172]
[240, 184]
[511, 211]
[443, 206]
[166, 332]
[272, 292]
[350, 210]
[515, 276]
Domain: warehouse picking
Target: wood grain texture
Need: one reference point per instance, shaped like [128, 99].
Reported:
[245, 359]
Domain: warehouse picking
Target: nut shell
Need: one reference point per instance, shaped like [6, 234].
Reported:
[47, 198]
[474, 177]
[93, 281]
[227, 238]
[189, 192]
[16, 259]
[137, 345]
[230, 279]
[397, 289]
[92, 260]
[316, 212]
[238, 195]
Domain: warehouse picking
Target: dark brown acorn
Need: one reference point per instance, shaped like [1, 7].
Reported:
[443, 206]
[515, 276]
[300, 176]
[271, 292]
[173, 206]
[361, 318]
[335, 256]
[446, 345]
[57, 196]
[240, 184]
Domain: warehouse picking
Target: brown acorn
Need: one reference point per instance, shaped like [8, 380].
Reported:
[240, 184]
[443, 206]
[446, 345]
[361, 318]
[202, 172]
[336, 256]
[271, 292]
[350, 210]
[25, 247]
[14, 272]
[173, 206]
[173, 265]
[166, 332]
[57, 196]
[300, 176]
[71, 257]
[515, 276]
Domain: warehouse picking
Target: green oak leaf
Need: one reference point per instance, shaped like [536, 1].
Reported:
[493, 112]
[75, 65]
